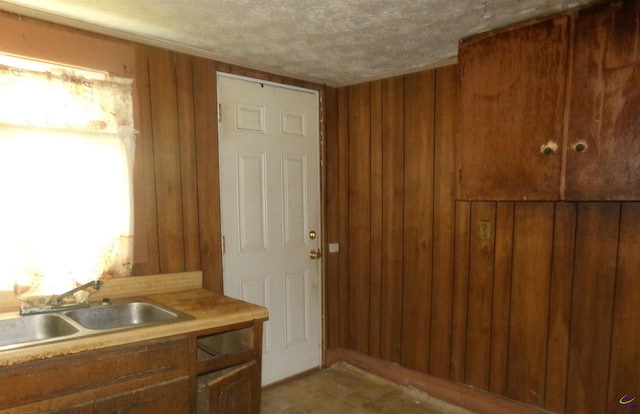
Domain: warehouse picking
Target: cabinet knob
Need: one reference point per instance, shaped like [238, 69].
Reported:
[580, 146]
[549, 148]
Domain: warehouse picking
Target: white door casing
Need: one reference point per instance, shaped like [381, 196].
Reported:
[270, 202]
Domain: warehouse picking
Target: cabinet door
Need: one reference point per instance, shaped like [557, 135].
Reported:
[604, 114]
[512, 103]
[232, 391]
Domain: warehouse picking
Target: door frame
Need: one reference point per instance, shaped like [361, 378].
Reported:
[318, 90]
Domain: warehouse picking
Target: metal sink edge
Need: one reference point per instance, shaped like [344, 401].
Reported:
[84, 332]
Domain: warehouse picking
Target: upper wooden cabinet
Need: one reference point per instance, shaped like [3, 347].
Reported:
[604, 111]
[550, 110]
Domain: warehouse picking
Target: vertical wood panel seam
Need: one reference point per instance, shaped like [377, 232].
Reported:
[613, 313]
[513, 235]
[174, 69]
[152, 149]
[550, 296]
[571, 298]
[180, 149]
[197, 164]
[433, 212]
[374, 319]
[511, 271]
[350, 308]
[493, 291]
[370, 210]
[571, 304]
[468, 276]
[344, 339]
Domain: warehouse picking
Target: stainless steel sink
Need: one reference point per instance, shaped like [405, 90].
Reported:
[124, 315]
[35, 329]
[28, 330]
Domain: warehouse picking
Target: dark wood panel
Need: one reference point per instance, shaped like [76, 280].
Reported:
[528, 322]
[605, 104]
[500, 71]
[446, 103]
[343, 217]
[481, 270]
[560, 305]
[359, 216]
[392, 153]
[592, 307]
[332, 226]
[418, 219]
[207, 160]
[145, 190]
[459, 314]
[592, 314]
[625, 349]
[501, 297]
[188, 164]
[375, 305]
[166, 150]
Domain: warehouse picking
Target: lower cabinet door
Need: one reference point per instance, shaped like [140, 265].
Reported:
[234, 390]
[170, 396]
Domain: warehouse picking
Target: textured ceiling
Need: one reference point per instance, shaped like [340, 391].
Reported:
[337, 42]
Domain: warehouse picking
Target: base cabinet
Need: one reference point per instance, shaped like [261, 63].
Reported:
[141, 378]
[230, 391]
[215, 370]
[229, 370]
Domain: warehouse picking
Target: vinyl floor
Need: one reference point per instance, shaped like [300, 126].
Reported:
[342, 389]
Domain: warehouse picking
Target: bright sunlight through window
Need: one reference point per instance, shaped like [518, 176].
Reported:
[66, 160]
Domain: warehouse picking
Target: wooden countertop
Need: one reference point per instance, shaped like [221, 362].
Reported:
[209, 310]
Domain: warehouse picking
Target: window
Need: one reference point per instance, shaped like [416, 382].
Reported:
[66, 163]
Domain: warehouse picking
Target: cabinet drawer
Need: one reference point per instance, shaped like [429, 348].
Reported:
[89, 370]
[224, 349]
[170, 396]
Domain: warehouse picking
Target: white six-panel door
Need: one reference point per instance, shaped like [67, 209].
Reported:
[270, 202]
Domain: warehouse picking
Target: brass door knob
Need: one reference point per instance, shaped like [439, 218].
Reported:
[315, 254]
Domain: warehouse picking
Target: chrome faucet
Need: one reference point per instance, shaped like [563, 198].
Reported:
[56, 301]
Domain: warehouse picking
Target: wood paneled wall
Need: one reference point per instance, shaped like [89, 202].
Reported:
[545, 311]
[176, 178]
[177, 197]
[178, 183]
[178, 159]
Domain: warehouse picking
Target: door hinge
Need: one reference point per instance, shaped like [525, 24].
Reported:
[219, 112]
[224, 247]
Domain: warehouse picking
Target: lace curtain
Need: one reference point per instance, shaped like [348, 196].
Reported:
[66, 164]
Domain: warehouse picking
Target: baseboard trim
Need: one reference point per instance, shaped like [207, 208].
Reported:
[473, 399]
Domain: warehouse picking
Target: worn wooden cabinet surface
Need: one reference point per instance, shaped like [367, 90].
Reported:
[551, 110]
[228, 370]
[512, 101]
[125, 379]
[154, 376]
[229, 391]
[604, 112]
[165, 396]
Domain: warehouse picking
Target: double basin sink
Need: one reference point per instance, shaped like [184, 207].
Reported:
[42, 328]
